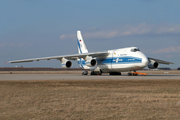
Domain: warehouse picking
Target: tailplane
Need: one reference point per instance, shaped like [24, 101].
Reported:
[81, 45]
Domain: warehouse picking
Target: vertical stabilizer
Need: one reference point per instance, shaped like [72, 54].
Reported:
[81, 45]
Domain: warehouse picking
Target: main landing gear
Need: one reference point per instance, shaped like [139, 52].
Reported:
[115, 73]
[92, 73]
[96, 73]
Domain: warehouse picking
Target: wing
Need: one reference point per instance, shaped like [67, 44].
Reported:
[160, 61]
[69, 57]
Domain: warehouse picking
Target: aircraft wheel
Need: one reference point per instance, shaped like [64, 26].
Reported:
[96, 73]
[115, 73]
[129, 74]
[85, 73]
[99, 73]
[93, 73]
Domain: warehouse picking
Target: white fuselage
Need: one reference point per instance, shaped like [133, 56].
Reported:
[119, 60]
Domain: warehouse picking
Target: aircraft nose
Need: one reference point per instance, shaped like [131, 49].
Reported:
[145, 61]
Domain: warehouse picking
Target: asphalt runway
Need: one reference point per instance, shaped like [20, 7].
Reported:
[80, 77]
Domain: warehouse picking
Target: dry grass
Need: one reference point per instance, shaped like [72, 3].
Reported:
[90, 99]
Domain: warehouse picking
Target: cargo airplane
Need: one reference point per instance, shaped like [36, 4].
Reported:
[112, 61]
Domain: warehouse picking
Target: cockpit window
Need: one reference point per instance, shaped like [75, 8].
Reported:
[134, 50]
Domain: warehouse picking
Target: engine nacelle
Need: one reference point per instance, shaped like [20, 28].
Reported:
[91, 62]
[153, 64]
[67, 64]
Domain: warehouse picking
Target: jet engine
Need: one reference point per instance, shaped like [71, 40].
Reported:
[153, 64]
[66, 63]
[91, 62]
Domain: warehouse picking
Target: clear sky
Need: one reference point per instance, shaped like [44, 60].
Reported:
[42, 28]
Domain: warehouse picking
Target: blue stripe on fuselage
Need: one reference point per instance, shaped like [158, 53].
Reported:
[126, 60]
[115, 60]
[120, 60]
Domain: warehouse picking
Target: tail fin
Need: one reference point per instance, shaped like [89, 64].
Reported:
[81, 45]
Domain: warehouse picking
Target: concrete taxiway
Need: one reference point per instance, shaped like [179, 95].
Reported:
[80, 77]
